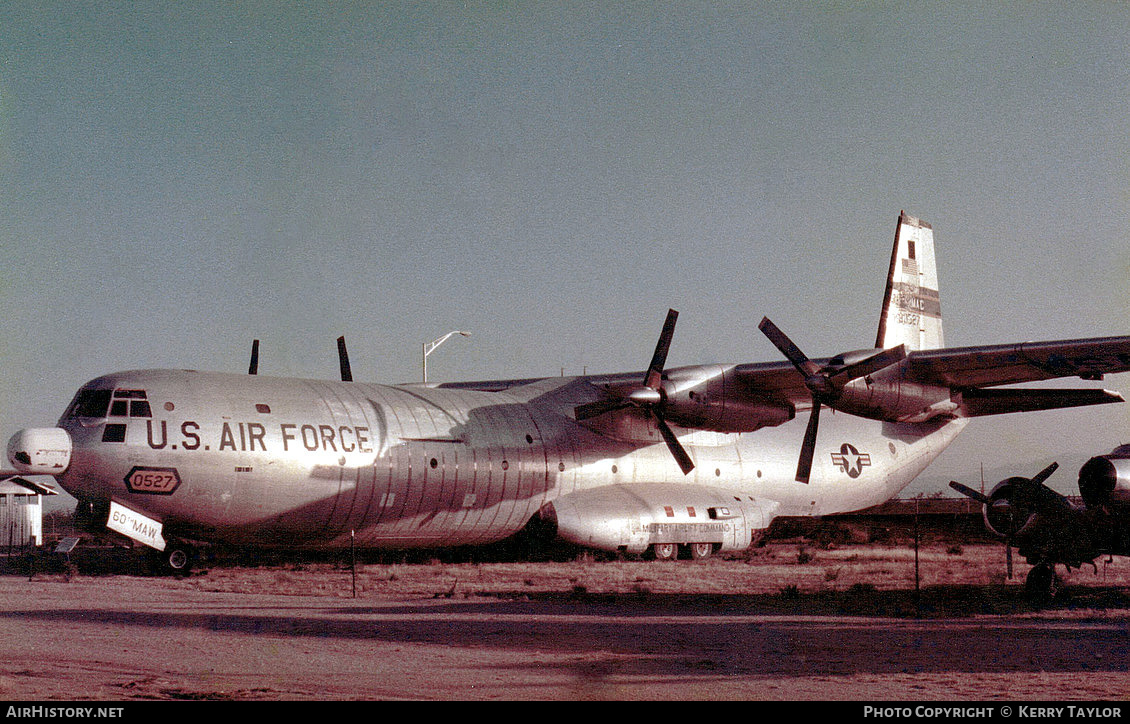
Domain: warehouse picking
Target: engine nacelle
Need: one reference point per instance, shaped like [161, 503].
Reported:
[700, 411]
[706, 398]
[632, 518]
[1008, 508]
[887, 395]
[40, 451]
[1105, 480]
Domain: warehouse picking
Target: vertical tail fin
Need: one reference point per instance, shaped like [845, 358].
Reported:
[912, 313]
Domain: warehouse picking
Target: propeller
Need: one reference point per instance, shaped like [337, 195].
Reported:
[1000, 513]
[826, 384]
[343, 360]
[1011, 504]
[649, 396]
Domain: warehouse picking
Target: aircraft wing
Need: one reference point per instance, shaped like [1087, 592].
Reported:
[970, 371]
[778, 382]
[967, 371]
[963, 367]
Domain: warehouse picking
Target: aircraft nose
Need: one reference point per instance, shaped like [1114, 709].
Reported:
[40, 451]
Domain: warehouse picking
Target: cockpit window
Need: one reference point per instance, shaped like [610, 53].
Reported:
[90, 403]
[112, 403]
[130, 403]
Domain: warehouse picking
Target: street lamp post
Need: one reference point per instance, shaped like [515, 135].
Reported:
[430, 347]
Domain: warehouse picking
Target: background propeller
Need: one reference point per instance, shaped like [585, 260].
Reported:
[343, 360]
[826, 384]
[1011, 504]
[649, 396]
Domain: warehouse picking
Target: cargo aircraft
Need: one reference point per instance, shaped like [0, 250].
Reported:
[668, 462]
[1049, 529]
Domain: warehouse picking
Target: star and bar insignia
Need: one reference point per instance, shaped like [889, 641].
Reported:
[851, 461]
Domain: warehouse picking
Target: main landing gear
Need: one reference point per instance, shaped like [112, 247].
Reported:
[1042, 584]
[699, 551]
[672, 551]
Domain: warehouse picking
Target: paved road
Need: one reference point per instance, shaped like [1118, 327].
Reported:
[120, 638]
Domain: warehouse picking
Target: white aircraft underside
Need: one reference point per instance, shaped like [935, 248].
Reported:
[702, 457]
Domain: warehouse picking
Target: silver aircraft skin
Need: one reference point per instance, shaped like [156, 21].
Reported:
[688, 460]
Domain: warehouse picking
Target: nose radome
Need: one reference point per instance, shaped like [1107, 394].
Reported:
[40, 451]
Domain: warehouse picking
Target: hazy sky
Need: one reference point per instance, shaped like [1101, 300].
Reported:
[179, 178]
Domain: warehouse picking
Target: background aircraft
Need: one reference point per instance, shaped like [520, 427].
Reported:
[688, 460]
[1049, 529]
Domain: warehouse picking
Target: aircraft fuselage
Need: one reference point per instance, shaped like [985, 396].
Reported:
[298, 462]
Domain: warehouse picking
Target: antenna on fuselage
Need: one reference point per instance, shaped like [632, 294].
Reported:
[343, 360]
[253, 368]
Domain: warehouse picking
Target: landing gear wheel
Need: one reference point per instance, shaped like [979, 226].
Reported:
[665, 551]
[1041, 585]
[176, 560]
[700, 551]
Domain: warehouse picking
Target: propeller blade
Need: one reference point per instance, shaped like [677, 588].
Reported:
[673, 444]
[782, 342]
[654, 376]
[253, 368]
[1020, 496]
[650, 394]
[1044, 474]
[808, 448]
[1039, 496]
[970, 492]
[343, 361]
[872, 364]
[593, 409]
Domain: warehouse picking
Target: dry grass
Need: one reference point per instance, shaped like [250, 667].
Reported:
[855, 578]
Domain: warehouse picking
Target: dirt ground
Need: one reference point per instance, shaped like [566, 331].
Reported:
[788, 623]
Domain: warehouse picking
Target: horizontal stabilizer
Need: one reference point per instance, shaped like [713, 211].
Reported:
[978, 402]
